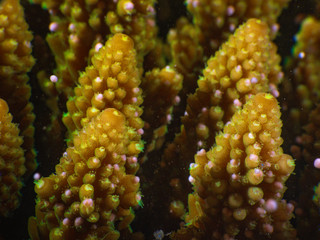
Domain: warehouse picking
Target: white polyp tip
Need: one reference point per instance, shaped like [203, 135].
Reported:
[53, 78]
[316, 163]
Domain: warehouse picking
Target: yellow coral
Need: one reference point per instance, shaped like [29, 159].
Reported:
[246, 64]
[93, 189]
[187, 52]
[239, 183]
[11, 162]
[112, 81]
[15, 61]
[218, 19]
[78, 28]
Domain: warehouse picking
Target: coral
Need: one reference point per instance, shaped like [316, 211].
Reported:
[93, 190]
[303, 75]
[239, 183]
[15, 61]
[246, 64]
[111, 81]
[195, 94]
[11, 162]
[160, 90]
[186, 52]
[94, 187]
[79, 27]
[218, 19]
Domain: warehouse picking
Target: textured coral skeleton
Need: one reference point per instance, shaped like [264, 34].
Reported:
[200, 131]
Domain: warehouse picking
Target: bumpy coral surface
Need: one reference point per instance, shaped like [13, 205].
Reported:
[239, 183]
[217, 19]
[111, 81]
[246, 64]
[11, 162]
[15, 61]
[77, 26]
[92, 192]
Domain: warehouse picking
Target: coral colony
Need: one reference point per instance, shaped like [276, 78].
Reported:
[113, 126]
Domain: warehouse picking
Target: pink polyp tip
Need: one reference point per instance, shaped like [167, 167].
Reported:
[66, 221]
[268, 228]
[151, 9]
[74, 38]
[271, 205]
[97, 47]
[258, 172]
[218, 93]
[201, 126]
[99, 97]
[191, 180]
[261, 212]
[234, 177]
[128, 6]
[132, 160]
[177, 100]
[53, 78]
[210, 164]
[140, 131]
[237, 103]
[88, 202]
[253, 157]
[204, 109]
[290, 207]
[67, 193]
[233, 162]
[72, 27]
[134, 100]
[278, 185]
[53, 26]
[316, 163]
[201, 152]
[232, 27]
[36, 176]
[78, 221]
[230, 10]
[136, 180]
[135, 90]
[116, 167]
